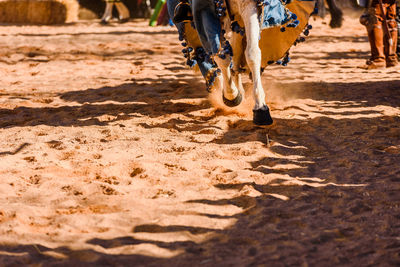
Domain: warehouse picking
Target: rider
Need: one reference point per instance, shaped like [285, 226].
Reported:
[203, 14]
[383, 46]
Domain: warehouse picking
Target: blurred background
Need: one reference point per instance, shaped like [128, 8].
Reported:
[93, 9]
[65, 11]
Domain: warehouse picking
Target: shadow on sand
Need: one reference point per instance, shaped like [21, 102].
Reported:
[147, 97]
[333, 199]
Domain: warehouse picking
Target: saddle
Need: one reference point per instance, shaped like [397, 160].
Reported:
[276, 37]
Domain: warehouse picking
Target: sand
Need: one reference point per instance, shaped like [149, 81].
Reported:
[112, 153]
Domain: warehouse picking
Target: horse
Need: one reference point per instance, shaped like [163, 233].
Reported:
[229, 37]
[334, 10]
[123, 11]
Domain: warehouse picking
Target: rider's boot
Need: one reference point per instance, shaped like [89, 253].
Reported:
[183, 12]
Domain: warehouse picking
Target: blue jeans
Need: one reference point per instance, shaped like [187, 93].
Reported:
[205, 20]
[207, 25]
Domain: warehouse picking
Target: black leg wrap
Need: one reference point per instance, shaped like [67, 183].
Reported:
[262, 116]
[234, 102]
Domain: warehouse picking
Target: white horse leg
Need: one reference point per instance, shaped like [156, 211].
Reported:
[123, 11]
[249, 14]
[253, 52]
[107, 12]
[237, 49]
[230, 93]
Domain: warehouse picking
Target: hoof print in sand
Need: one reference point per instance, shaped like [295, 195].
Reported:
[56, 145]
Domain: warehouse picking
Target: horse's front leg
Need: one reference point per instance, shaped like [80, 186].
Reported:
[237, 48]
[261, 114]
[230, 94]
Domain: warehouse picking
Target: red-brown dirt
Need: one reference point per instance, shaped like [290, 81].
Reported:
[113, 154]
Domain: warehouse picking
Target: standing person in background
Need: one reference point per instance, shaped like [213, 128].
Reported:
[123, 11]
[382, 33]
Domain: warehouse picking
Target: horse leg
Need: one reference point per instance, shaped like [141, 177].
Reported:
[230, 94]
[336, 14]
[321, 8]
[123, 12]
[249, 12]
[107, 12]
[237, 49]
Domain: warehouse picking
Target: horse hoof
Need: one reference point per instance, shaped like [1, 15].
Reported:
[121, 21]
[336, 23]
[262, 116]
[234, 102]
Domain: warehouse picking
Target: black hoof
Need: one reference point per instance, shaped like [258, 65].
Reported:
[262, 116]
[234, 102]
[103, 22]
[336, 23]
[123, 20]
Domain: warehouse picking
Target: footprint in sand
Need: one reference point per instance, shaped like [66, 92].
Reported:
[174, 167]
[164, 193]
[107, 190]
[108, 180]
[71, 190]
[35, 179]
[56, 145]
[137, 171]
[30, 159]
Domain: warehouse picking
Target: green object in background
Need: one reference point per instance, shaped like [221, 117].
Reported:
[157, 10]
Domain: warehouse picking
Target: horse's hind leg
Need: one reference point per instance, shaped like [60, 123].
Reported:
[249, 12]
[123, 12]
[321, 8]
[336, 14]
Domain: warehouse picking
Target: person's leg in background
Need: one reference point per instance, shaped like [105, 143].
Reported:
[373, 23]
[390, 48]
[383, 53]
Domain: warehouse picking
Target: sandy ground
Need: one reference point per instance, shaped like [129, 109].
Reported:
[112, 154]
